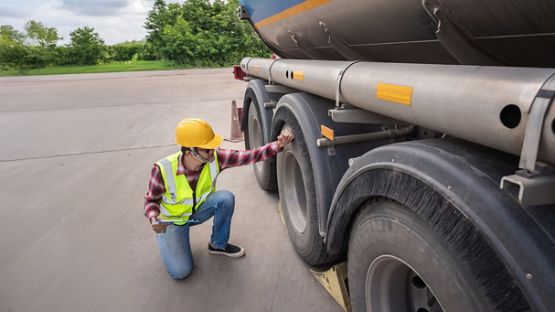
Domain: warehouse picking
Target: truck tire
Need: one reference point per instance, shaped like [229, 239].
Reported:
[307, 174]
[398, 262]
[298, 194]
[265, 171]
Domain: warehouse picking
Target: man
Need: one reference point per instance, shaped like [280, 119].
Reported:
[182, 193]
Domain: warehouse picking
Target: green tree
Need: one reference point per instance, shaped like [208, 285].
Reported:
[15, 54]
[44, 36]
[201, 32]
[155, 22]
[179, 44]
[86, 47]
[7, 32]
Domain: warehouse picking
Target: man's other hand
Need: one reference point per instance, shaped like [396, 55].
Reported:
[157, 226]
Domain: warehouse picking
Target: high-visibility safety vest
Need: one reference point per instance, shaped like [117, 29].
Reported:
[179, 201]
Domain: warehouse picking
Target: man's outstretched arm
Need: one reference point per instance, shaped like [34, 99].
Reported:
[229, 158]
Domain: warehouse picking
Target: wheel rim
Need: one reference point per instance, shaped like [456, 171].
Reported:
[255, 137]
[294, 192]
[393, 286]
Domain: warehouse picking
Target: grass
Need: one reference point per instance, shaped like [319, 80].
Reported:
[101, 68]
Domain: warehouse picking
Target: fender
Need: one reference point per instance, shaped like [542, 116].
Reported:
[466, 178]
[258, 88]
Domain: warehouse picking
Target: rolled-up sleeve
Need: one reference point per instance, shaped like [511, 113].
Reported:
[154, 194]
[229, 158]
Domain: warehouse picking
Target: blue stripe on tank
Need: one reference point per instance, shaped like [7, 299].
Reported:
[261, 9]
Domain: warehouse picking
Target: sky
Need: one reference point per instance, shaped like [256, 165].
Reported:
[114, 20]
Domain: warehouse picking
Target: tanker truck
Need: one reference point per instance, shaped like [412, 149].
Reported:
[424, 151]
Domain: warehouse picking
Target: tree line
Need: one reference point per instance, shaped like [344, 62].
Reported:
[194, 33]
[38, 47]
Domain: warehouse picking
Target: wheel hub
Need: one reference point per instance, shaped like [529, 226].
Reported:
[294, 194]
[393, 286]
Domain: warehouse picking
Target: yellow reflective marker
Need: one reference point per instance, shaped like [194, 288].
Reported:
[297, 75]
[394, 93]
[327, 132]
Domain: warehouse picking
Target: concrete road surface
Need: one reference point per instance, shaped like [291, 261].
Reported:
[75, 157]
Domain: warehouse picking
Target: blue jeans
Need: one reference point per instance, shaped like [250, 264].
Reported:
[175, 247]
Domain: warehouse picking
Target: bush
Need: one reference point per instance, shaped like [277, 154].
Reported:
[62, 55]
[11, 53]
[148, 53]
[126, 51]
[37, 57]
[16, 55]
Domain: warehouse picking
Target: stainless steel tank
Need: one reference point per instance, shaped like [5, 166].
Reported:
[470, 32]
[474, 103]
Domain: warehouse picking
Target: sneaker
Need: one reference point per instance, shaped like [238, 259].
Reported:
[230, 251]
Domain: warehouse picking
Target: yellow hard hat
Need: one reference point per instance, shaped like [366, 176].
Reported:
[193, 132]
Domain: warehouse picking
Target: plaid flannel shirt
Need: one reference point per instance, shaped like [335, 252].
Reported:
[227, 158]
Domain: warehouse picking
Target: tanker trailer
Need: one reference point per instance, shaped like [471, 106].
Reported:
[424, 158]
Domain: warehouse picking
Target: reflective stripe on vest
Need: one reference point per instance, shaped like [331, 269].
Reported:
[177, 201]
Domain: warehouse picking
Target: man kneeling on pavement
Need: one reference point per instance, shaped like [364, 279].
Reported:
[182, 193]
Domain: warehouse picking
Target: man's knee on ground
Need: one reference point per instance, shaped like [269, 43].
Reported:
[182, 273]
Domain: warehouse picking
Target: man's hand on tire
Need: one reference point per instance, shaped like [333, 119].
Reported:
[285, 137]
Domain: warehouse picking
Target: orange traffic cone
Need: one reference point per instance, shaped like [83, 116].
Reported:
[236, 134]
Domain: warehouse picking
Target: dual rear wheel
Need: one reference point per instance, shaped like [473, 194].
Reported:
[397, 262]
